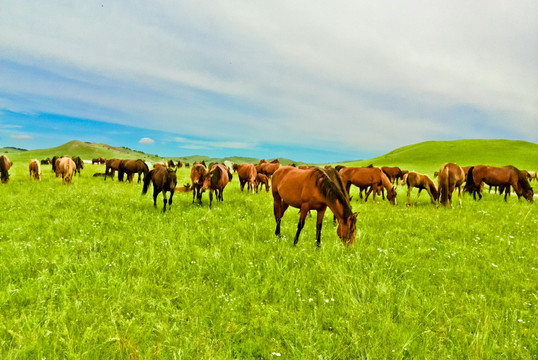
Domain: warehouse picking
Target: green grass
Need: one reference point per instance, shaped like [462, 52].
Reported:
[93, 271]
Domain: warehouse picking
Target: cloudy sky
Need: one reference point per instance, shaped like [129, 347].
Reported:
[311, 81]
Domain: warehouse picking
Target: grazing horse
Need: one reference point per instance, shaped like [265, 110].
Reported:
[394, 173]
[131, 167]
[268, 168]
[198, 171]
[262, 180]
[247, 175]
[164, 179]
[46, 161]
[66, 167]
[313, 189]
[422, 182]
[451, 176]
[5, 165]
[35, 169]
[372, 177]
[111, 166]
[78, 163]
[53, 162]
[504, 177]
[216, 179]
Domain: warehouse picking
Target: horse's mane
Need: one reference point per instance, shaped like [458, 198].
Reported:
[521, 178]
[333, 188]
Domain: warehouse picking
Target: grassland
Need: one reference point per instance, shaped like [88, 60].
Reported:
[93, 271]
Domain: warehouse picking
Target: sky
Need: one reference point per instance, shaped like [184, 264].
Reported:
[310, 81]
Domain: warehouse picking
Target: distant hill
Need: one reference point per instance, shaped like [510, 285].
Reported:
[428, 156]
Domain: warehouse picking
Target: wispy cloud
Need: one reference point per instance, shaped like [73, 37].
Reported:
[21, 137]
[146, 141]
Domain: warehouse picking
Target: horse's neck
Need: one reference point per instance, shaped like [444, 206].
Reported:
[337, 209]
[386, 182]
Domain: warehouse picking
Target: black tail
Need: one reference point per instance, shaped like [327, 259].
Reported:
[470, 185]
[147, 180]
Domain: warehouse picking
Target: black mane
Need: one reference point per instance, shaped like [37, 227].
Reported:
[333, 188]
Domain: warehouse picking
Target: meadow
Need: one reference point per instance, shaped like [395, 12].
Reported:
[94, 271]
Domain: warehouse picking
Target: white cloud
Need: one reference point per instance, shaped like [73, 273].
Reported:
[21, 137]
[146, 140]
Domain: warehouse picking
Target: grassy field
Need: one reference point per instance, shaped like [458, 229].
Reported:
[93, 271]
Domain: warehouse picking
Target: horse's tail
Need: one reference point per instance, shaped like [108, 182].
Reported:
[443, 185]
[404, 180]
[470, 185]
[230, 176]
[147, 180]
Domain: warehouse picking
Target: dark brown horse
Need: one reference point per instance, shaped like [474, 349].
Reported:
[504, 177]
[112, 165]
[198, 171]
[422, 182]
[368, 177]
[247, 175]
[99, 160]
[5, 165]
[451, 176]
[313, 189]
[394, 173]
[131, 167]
[216, 180]
[164, 180]
[35, 169]
[53, 162]
[78, 163]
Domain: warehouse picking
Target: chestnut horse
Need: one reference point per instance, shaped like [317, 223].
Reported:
[132, 167]
[313, 189]
[451, 176]
[262, 180]
[5, 165]
[247, 175]
[372, 177]
[268, 168]
[422, 182]
[504, 177]
[66, 167]
[216, 180]
[394, 173]
[164, 179]
[35, 169]
[198, 171]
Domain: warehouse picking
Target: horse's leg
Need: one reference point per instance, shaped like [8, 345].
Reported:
[408, 201]
[279, 207]
[164, 199]
[194, 192]
[319, 223]
[155, 193]
[368, 194]
[302, 217]
[170, 200]
[210, 197]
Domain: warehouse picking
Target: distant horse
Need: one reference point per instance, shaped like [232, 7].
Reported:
[5, 165]
[216, 180]
[131, 167]
[503, 177]
[164, 179]
[35, 169]
[198, 171]
[262, 180]
[269, 168]
[372, 177]
[45, 161]
[78, 163]
[247, 175]
[66, 168]
[99, 160]
[53, 162]
[394, 173]
[422, 182]
[451, 176]
[313, 189]
[112, 165]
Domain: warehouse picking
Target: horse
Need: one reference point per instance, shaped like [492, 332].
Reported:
[364, 177]
[45, 161]
[394, 173]
[198, 171]
[132, 167]
[164, 179]
[5, 165]
[78, 163]
[111, 166]
[35, 169]
[247, 175]
[504, 177]
[216, 179]
[422, 182]
[268, 168]
[262, 180]
[66, 167]
[53, 163]
[451, 176]
[313, 189]
[99, 160]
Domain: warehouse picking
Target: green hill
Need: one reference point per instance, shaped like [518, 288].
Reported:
[428, 156]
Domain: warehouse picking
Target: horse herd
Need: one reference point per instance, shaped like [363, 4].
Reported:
[304, 187]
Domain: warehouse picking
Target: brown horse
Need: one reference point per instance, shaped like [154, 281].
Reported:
[35, 169]
[262, 180]
[99, 160]
[504, 177]
[394, 173]
[268, 168]
[111, 166]
[66, 167]
[78, 163]
[216, 180]
[131, 167]
[313, 189]
[164, 180]
[198, 171]
[451, 176]
[5, 165]
[247, 175]
[372, 177]
[422, 182]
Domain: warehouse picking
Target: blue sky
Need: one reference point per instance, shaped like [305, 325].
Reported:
[308, 81]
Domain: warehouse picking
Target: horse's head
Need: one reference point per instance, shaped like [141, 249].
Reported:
[391, 195]
[172, 178]
[529, 195]
[347, 229]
